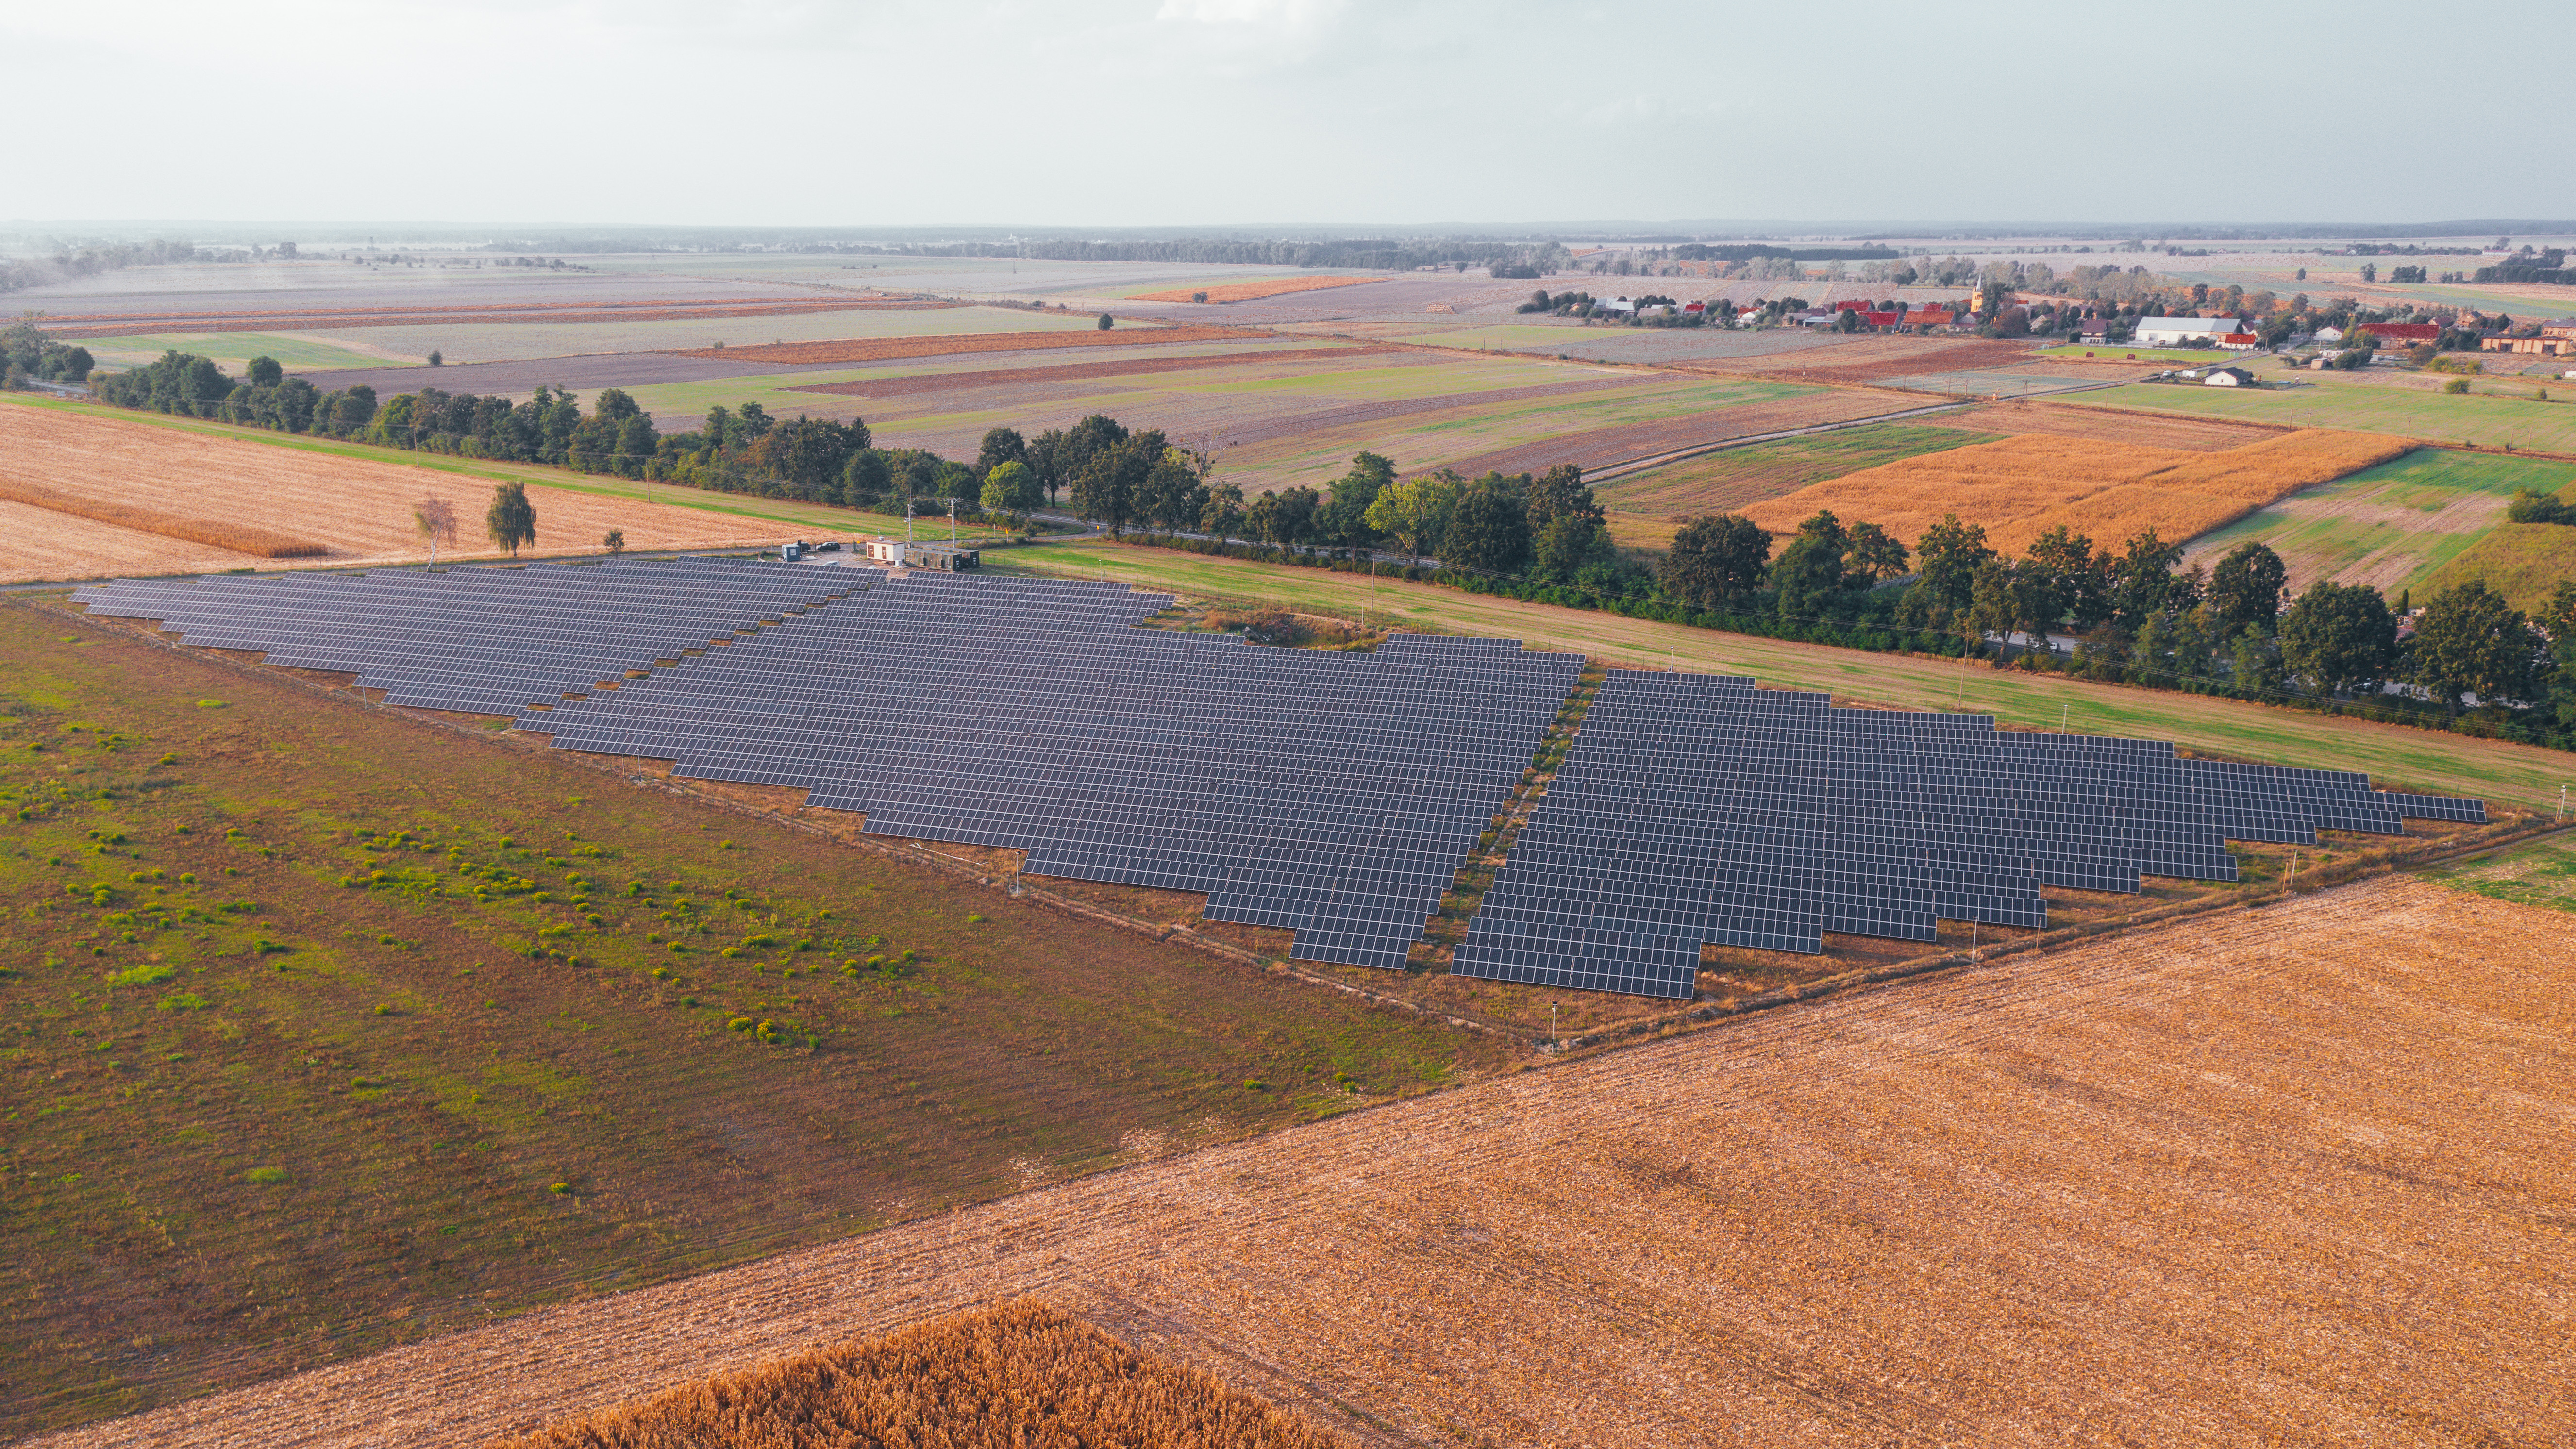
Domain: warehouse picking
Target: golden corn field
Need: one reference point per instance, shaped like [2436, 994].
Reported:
[1016, 1376]
[2022, 487]
[2293, 1175]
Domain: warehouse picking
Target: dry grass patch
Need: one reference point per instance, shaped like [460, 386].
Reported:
[2021, 488]
[1018, 1376]
[2073, 420]
[1252, 291]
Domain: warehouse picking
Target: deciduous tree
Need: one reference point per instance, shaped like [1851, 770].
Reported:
[436, 522]
[2339, 637]
[2469, 640]
[2245, 589]
[1416, 512]
[1490, 531]
[511, 520]
[1716, 561]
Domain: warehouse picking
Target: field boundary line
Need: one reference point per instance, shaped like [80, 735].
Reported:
[1011, 884]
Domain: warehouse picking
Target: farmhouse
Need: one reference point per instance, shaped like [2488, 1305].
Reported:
[2096, 329]
[1615, 304]
[2240, 341]
[2228, 377]
[2544, 346]
[2400, 334]
[2182, 331]
[2564, 329]
[1927, 318]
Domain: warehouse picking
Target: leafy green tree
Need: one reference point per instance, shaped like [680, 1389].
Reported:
[1716, 561]
[1001, 445]
[1415, 513]
[1875, 554]
[1106, 322]
[2143, 582]
[2339, 637]
[1946, 560]
[1576, 549]
[2245, 589]
[2005, 599]
[1490, 531]
[511, 521]
[1810, 572]
[1008, 487]
[264, 372]
[866, 478]
[2532, 506]
[1043, 461]
[1559, 493]
[2075, 584]
[2469, 640]
[615, 541]
[2558, 618]
[1173, 496]
[1346, 518]
[1111, 486]
[1222, 516]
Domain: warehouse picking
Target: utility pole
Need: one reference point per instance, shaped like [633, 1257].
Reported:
[2063, 709]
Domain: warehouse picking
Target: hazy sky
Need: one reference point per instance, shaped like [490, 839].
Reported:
[1182, 112]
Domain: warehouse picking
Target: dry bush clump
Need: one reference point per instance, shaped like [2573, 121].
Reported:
[247, 538]
[1252, 291]
[2023, 487]
[886, 349]
[1017, 1376]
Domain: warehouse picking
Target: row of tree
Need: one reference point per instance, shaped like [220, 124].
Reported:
[26, 352]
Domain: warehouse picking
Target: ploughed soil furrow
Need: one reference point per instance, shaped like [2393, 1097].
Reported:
[105, 325]
[884, 349]
[1602, 447]
[2278, 1176]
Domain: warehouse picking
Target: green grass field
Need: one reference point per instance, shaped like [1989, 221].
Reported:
[2526, 562]
[283, 1082]
[2408, 404]
[2395, 756]
[233, 351]
[2395, 526]
[2122, 352]
[2541, 873]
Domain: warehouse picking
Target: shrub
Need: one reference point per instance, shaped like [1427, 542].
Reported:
[739, 1023]
[1255, 1084]
[2456, 386]
[267, 1176]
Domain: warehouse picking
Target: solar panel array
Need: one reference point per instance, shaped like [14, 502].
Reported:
[1697, 810]
[1330, 793]
[1333, 794]
[481, 640]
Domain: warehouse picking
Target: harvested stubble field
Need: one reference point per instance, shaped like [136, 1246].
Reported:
[230, 535]
[2023, 487]
[1020, 1375]
[2291, 1175]
[1252, 291]
[2407, 404]
[354, 510]
[285, 1083]
[1859, 363]
[887, 349]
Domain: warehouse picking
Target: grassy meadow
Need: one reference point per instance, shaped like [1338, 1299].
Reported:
[2491, 414]
[322, 1028]
[2525, 562]
[2394, 526]
[2395, 756]
[296, 351]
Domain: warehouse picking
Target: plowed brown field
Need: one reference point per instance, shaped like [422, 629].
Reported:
[2291, 1176]
[1602, 447]
[359, 509]
[887, 349]
[1836, 368]
[335, 320]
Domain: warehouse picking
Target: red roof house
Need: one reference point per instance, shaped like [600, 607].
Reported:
[2408, 333]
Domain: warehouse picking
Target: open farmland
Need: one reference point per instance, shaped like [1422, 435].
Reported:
[2116, 1194]
[2541, 873]
[232, 351]
[1045, 330]
[2023, 487]
[2396, 757]
[1252, 291]
[2396, 525]
[353, 502]
[285, 1083]
[2492, 415]
[2113, 425]
[1646, 507]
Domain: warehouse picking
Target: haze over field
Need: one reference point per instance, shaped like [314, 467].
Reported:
[1206, 112]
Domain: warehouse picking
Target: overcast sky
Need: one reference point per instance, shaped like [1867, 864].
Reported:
[1216, 112]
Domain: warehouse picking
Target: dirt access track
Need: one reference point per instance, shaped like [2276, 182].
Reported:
[2290, 1175]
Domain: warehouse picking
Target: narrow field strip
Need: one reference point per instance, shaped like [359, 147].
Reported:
[2116, 1193]
[880, 349]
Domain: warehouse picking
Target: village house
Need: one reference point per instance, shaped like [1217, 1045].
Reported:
[2182, 331]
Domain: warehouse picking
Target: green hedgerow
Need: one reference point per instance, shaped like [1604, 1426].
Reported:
[267, 1176]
